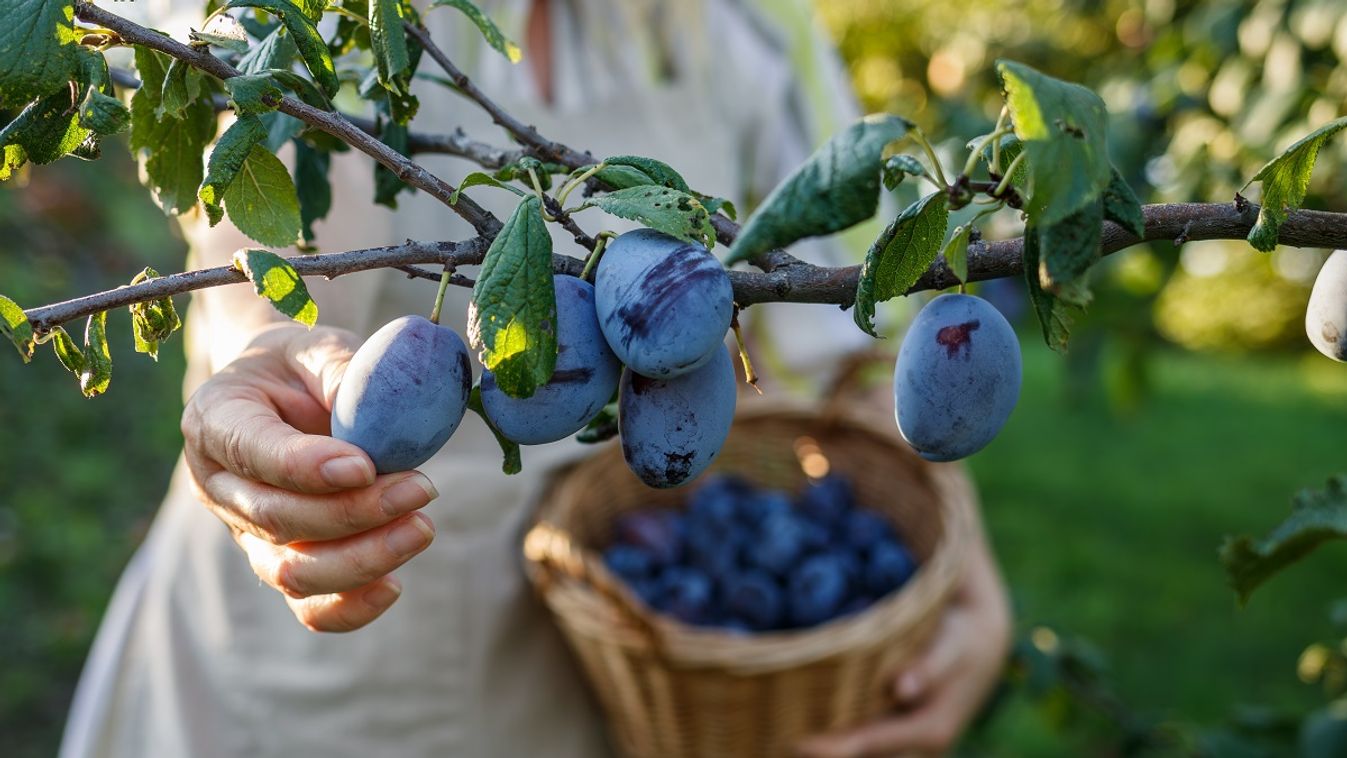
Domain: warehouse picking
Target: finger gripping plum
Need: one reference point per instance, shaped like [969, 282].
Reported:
[1326, 316]
[404, 393]
[957, 377]
[673, 428]
[664, 305]
[583, 381]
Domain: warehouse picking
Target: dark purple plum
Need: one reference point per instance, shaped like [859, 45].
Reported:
[673, 428]
[755, 597]
[862, 529]
[663, 304]
[957, 377]
[404, 393]
[657, 532]
[582, 383]
[781, 540]
[888, 567]
[686, 594]
[826, 500]
[816, 591]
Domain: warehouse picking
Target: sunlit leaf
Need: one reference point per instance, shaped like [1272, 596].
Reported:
[902, 253]
[675, 213]
[97, 373]
[36, 39]
[277, 282]
[226, 159]
[262, 202]
[152, 321]
[510, 462]
[1286, 179]
[14, 325]
[486, 26]
[312, 49]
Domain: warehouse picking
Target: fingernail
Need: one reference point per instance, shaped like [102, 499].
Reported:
[384, 593]
[349, 471]
[407, 495]
[410, 536]
[909, 686]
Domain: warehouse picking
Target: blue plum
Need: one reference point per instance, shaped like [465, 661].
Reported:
[1326, 315]
[663, 304]
[404, 393]
[713, 549]
[862, 529]
[817, 590]
[781, 540]
[826, 500]
[658, 532]
[629, 562]
[957, 377]
[888, 567]
[754, 597]
[757, 507]
[686, 594]
[582, 383]
[672, 429]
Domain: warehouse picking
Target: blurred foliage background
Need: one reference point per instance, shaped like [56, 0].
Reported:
[1189, 407]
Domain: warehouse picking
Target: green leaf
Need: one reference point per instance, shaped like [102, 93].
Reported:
[1316, 516]
[224, 32]
[47, 129]
[388, 41]
[277, 282]
[1067, 249]
[486, 26]
[1054, 316]
[67, 352]
[1122, 207]
[511, 463]
[622, 177]
[170, 149]
[36, 39]
[303, 88]
[14, 325]
[836, 188]
[154, 321]
[226, 160]
[604, 427]
[175, 93]
[387, 185]
[275, 51]
[670, 211]
[955, 252]
[1286, 179]
[629, 167]
[899, 167]
[280, 130]
[313, 9]
[262, 201]
[253, 94]
[901, 254]
[1064, 130]
[97, 373]
[717, 204]
[477, 178]
[312, 185]
[12, 158]
[512, 318]
[103, 114]
[306, 38]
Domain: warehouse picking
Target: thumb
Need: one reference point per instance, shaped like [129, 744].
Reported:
[320, 359]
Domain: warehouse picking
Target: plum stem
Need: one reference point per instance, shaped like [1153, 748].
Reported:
[600, 245]
[439, 296]
[750, 375]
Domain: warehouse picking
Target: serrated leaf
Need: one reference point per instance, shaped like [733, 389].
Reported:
[388, 40]
[103, 114]
[903, 252]
[312, 8]
[1068, 248]
[1064, 130]
[486, 26]
[476, 179]
[655, 172]
[510, 463]
[1054, 316]
[836, 188]
[275, 51]
[277, 282]
[312, 186]
[12, 158]
[47, 129]
[67, 352]
[1122, 207]
[97, 372]
[1286, 179]
[223, 31]
[154, 321]
[512, 319]
[253, 94]
[226, 160]
[899, 167]
[601, 429]
[281, 128]
[36, 40]
[174, 94]
[14, 325]
[1316, 516]
[955, 252]
[170, 149]
[675, 213]
[262, 202]
[312, 49]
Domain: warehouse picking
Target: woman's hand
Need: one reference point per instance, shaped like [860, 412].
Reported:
[940, 692]
[315, 521]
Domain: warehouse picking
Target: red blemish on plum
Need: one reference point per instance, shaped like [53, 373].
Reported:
[954, 337]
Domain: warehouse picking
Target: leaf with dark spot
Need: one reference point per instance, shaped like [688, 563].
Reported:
[901, 254]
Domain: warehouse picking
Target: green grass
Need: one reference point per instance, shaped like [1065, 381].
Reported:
[1108, 528]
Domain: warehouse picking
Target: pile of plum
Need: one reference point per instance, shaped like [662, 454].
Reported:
[748, 559]
[659, 306]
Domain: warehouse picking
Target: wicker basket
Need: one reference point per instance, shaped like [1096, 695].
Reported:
[672, 690]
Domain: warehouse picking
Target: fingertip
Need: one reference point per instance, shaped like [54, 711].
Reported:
[347, 471]
[383, 594]
[908, 687]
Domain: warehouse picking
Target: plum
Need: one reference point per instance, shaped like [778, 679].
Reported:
[957, 377]
[663, 304]
[685, 594]
[817, 590]
[658, 532]
[1326, 316]
[779, 543]
[673, 428]
[755, 597]
[582, 383]
[404, 393]
[888, 567]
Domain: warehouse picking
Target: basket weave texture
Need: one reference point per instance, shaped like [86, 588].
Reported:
[671, 690]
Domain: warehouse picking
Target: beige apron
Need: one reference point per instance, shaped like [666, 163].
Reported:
[196, 657]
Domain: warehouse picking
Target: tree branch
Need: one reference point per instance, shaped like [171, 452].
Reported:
[334, 124]
[802, 283]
